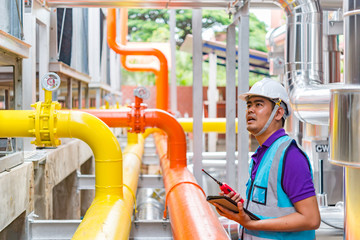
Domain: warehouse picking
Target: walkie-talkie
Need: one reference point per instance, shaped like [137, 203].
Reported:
[223, 186]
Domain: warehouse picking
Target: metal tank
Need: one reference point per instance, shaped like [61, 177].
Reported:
[345, 151]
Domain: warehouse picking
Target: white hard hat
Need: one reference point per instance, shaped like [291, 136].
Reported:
[271, 89]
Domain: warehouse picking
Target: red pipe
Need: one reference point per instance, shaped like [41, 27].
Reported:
[162, 74]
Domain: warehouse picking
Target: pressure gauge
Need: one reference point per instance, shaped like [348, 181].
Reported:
[142, 92]
[50, 81]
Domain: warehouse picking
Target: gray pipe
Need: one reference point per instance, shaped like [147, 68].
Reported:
[303, 57]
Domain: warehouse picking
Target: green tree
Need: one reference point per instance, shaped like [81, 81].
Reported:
[145, 24]
[151, 25]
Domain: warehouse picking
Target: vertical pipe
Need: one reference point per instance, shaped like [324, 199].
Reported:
[197, 94]
[162, 74]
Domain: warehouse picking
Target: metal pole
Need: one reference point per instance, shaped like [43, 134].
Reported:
[212, 100]
[197, 94]
[173, 94]
[243, 86]
[230, 104]
[80, 98]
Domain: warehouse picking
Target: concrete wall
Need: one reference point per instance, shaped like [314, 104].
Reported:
[47, 187]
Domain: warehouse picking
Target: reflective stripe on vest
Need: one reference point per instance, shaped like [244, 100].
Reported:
[267, 198]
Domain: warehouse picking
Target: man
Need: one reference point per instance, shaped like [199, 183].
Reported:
[280, 190]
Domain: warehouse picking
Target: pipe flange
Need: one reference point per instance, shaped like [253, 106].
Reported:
[45, 130]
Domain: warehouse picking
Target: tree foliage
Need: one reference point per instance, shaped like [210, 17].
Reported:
[151, 25]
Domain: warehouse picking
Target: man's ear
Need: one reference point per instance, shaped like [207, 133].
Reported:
[279, 113]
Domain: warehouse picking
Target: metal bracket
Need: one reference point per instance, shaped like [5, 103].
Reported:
[150, 181]
[154, 229]
[85, 182]
[50, 229]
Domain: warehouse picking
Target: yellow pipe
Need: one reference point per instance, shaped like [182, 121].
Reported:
[209, 124]
[109, 216]
[149, 131]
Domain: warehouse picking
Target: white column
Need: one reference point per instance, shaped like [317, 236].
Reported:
[29, 64]
[94, 44]
[197, 94]
[230, 105]
[173, 93]
[212, 99]
[44, 53]
[243, 86]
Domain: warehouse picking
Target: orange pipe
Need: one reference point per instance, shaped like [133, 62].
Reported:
[152, 118]
[190, 214]
[162, 74]
[123, 41]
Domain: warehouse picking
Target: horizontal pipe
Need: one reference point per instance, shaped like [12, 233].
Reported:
[152, 118]
[109, 204]
[209, 124]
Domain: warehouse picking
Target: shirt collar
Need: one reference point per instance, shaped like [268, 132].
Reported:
[273, 137]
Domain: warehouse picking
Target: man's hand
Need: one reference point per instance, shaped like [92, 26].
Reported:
[240, 217]
[234, 196]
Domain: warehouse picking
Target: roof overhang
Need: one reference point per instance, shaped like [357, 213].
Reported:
[257, 58]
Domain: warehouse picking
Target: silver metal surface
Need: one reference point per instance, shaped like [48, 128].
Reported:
[275, 41]
[328, 178]
[178, 4]
[332, 222]
[303, 58]
[150, 203]
[231, 227]
[344, 127]
[150, 158]
[85, 182]
[151, 230]
[150, 181]
[9, 161]
[197, 94]
[50, 229]
[36, 157]
[230, 104]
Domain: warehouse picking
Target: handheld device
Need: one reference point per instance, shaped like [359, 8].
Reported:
[223, 186]
[229, 204]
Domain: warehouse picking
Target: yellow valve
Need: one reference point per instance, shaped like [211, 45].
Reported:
[45, 115]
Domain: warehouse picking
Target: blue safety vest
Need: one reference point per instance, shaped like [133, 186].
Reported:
[266, 197]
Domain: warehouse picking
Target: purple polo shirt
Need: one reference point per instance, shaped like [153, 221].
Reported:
[297, 182]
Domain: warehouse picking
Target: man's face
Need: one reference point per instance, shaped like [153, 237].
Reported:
[258, 112]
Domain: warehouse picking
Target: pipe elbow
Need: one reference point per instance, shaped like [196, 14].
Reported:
[176, 135]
